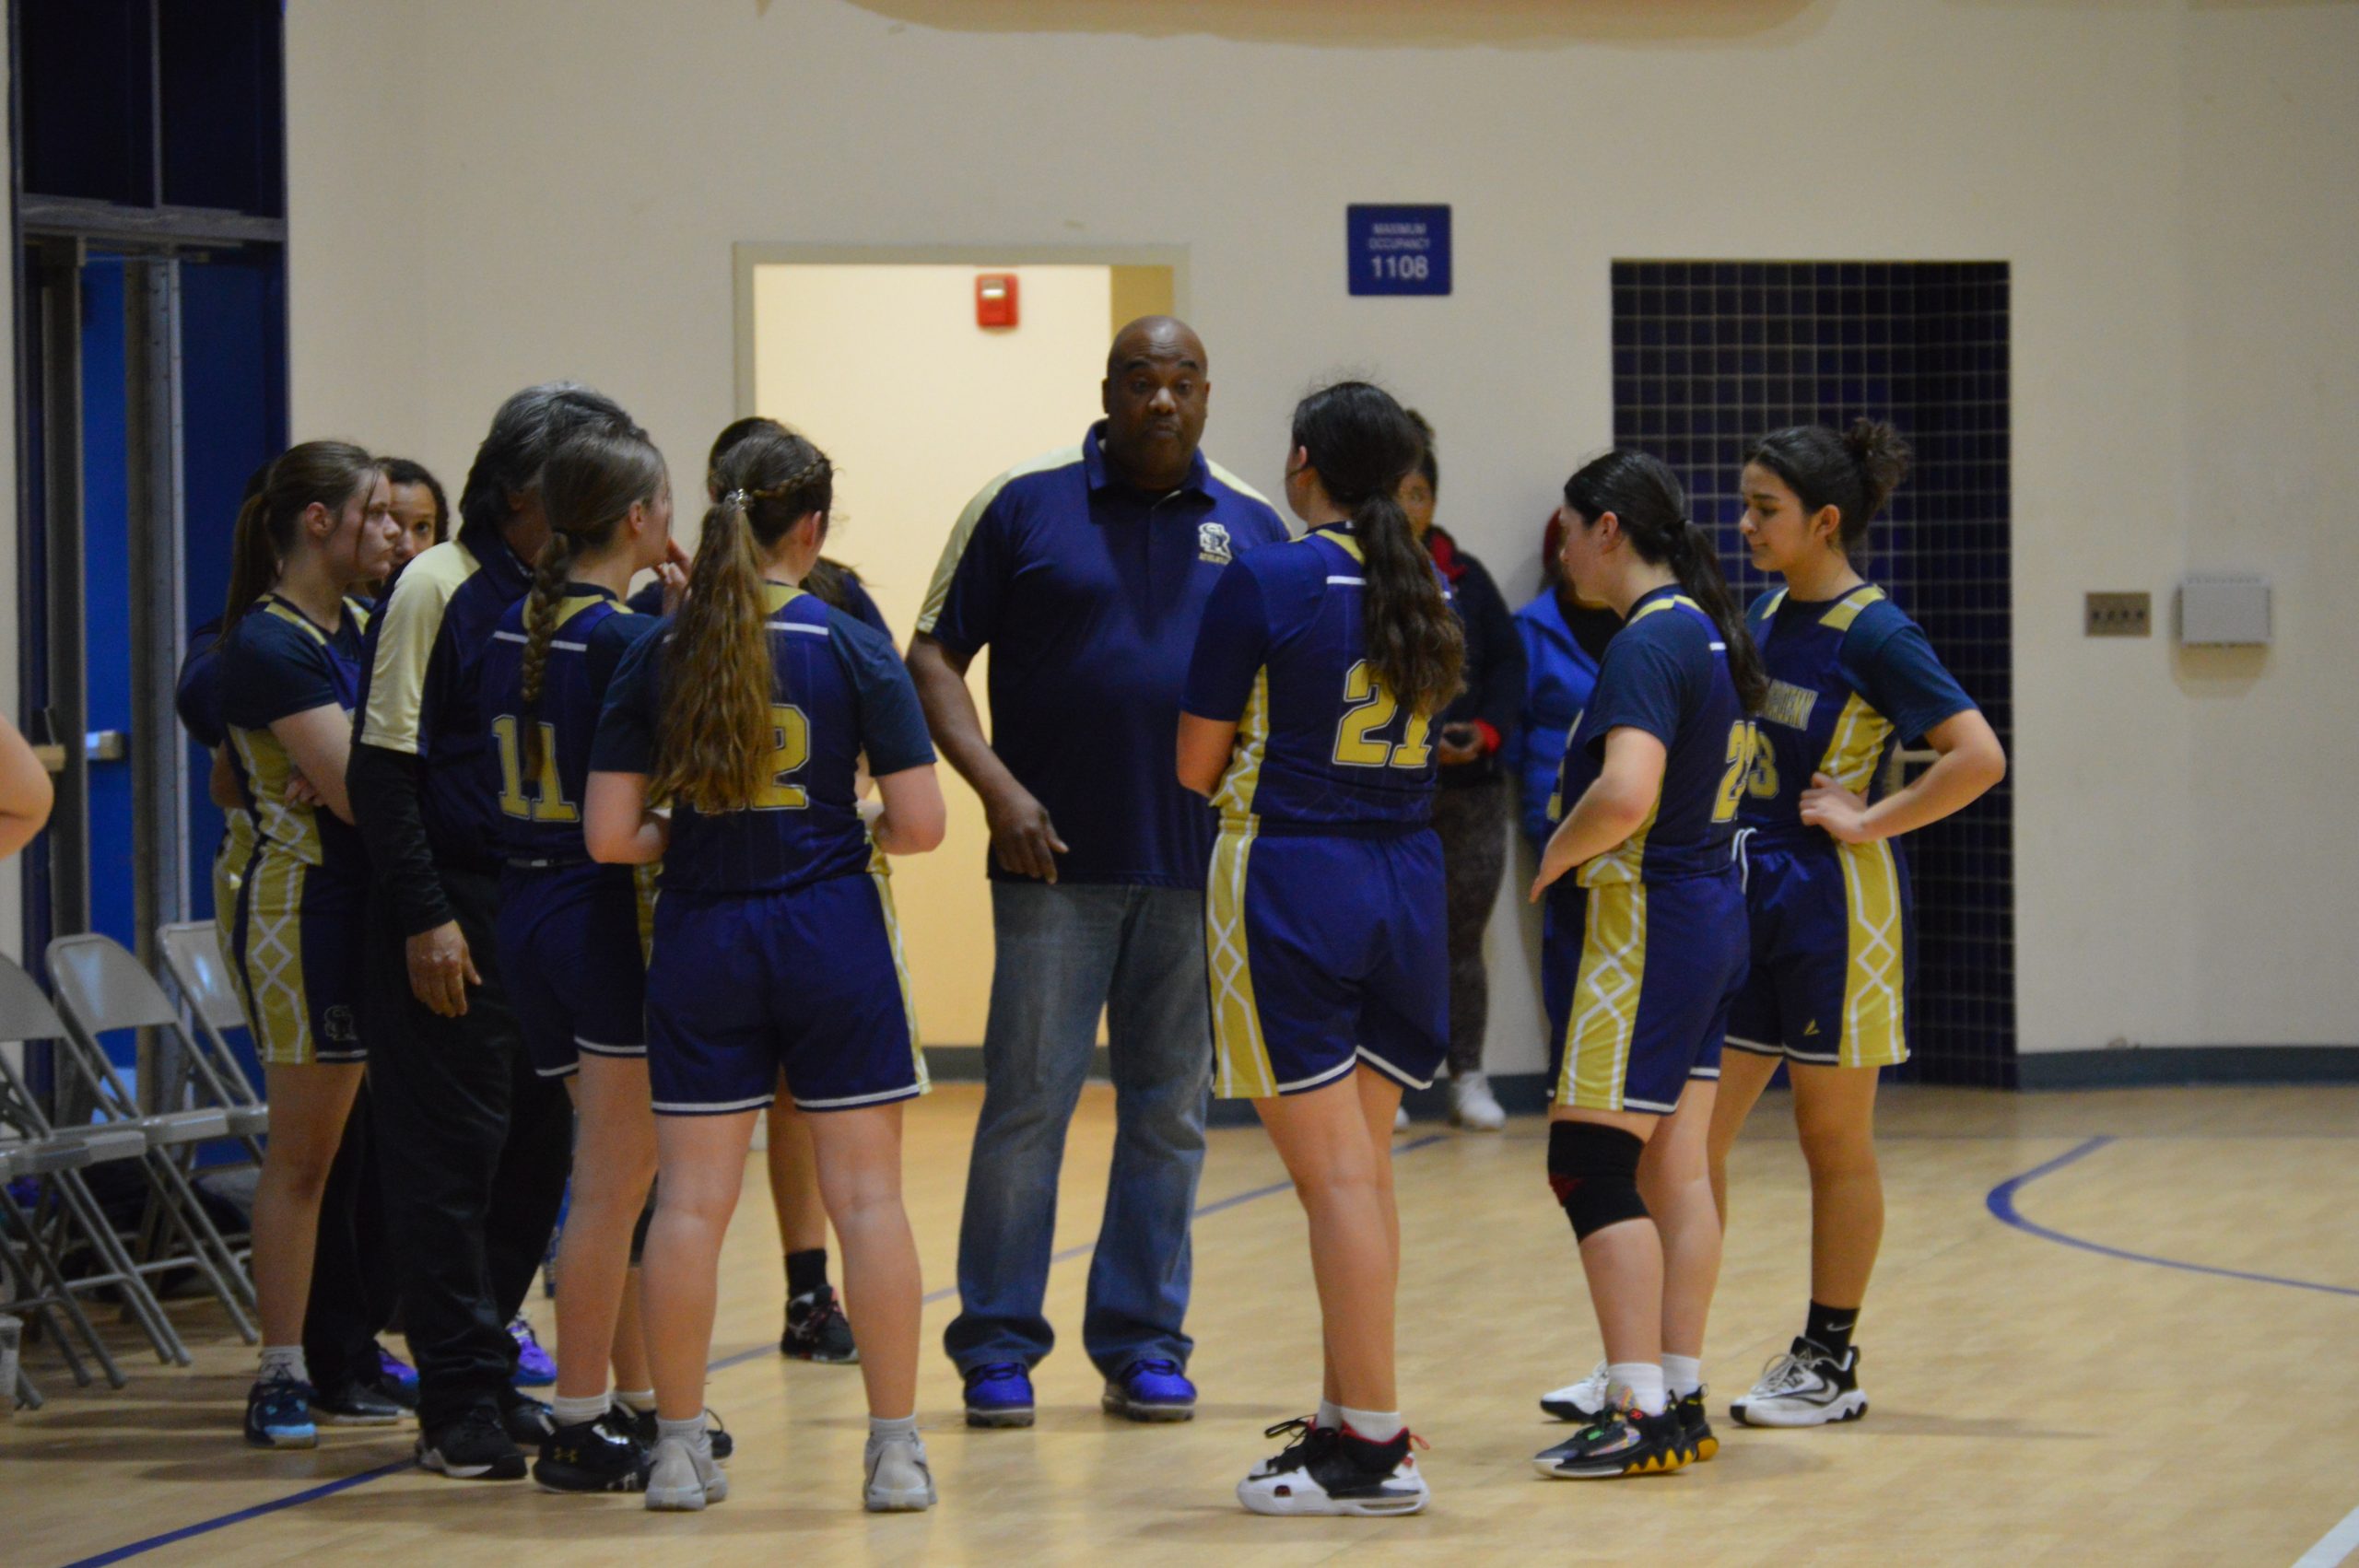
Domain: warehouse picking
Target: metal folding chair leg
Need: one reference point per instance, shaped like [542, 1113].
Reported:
[125, 1273]
[56, 1290]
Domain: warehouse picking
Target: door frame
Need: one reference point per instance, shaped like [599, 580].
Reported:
[748, 256]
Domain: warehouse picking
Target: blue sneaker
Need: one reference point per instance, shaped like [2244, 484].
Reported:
[1151, 1389]
[279, 1415]
[396, 1379]
[999, 1394]
[533, 1367]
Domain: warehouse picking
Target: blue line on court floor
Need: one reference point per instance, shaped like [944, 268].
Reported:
[739, 1358]
[2002, 1203]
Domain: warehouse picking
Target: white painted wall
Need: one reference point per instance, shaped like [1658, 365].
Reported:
[553, 186]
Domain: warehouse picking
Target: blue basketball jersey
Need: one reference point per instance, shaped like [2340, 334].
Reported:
[1849, 680]
[837, 689]
[540, 816]
[1666, 672]
[275, 663]
[1283, 654]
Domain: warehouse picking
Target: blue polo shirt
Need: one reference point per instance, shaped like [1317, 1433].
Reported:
[1089, 594]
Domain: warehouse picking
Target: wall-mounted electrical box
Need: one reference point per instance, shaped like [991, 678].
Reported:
[995, 299]
[2118, 614]
[2224, 610]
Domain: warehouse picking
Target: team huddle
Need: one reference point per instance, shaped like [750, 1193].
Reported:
[590, 879]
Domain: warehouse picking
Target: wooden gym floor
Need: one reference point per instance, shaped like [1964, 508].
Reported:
[2108, 1328]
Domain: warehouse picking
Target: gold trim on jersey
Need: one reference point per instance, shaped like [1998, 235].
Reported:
[1241, 1065]
[880, 876]
[1604, 1019]
[270, 971]
[1847, 608]
[962, 532]
[1856, 747]
[413, 620]
[1234, 797]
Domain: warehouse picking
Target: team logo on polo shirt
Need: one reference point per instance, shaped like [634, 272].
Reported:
[1212, 543]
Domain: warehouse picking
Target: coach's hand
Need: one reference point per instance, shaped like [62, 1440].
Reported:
[441, 969]
[1022, 835]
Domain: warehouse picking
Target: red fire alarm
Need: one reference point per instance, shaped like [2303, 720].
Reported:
[995, 299]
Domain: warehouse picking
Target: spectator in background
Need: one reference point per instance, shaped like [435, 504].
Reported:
[1471, 807]
[420, 507]
[1563, 641]
[25, 794]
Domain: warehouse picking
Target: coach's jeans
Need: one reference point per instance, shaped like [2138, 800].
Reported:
[1064, 953]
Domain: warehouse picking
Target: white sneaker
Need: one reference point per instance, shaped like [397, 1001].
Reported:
[684, 1480]
[899, 1480]
[1400, 1119]
[1804, 1387]
[1472, 1105]
[1585, 1400]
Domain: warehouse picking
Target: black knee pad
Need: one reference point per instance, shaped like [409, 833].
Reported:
[638, 1232]
[1593, 1169]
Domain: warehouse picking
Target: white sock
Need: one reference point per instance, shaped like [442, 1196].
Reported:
[1375, 1427]
[692, 1432]
[1643, 1379]
[283, 1360]
[880, 1429]
[567, 1411]
[1331, 1415]
[638, 1401]
[1681, 1375]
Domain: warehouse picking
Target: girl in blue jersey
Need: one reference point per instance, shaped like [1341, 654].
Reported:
[1643, 952]
[568, 928]
[289, 673]
[1307, 719]
[1851, 678]
[775, 946]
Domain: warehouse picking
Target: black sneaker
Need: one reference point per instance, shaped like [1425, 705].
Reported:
[355, 1403]
[591, 1456]
[640, 1425]
[527, 1421]
[818, 1330]
[1623, 1442]
[475, 1447]
[1696, 1425]
[1806, 1387]
[1340, 1472]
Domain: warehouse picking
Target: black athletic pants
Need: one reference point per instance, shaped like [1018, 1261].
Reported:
[473, 1151]
[353, 1287]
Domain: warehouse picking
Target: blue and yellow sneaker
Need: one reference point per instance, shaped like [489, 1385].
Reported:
[533, 1367]
[999, 1394]
[279, 1415]
[1151, 1389]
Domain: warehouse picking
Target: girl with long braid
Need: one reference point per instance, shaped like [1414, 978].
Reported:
[776, 948]
[568, 928]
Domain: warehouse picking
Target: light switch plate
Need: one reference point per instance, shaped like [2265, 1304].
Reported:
[2118, 615]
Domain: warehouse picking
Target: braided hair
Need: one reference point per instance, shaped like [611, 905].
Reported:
[713, 751]
[588, 487]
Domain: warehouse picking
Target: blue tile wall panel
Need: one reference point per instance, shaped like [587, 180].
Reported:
[1708, 356]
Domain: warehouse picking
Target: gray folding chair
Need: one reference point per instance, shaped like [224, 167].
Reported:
[65, 1211]
[199, 970]
[101, 989]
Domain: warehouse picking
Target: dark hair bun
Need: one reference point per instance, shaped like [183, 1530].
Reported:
[1883, 456]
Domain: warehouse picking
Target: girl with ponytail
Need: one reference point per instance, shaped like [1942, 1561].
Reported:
[1852, 679]
[315, 529]
[776, 952]
[1320, 670]
[1641, 954]
[568, 928]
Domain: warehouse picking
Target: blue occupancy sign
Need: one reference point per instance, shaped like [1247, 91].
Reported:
[1399, 249]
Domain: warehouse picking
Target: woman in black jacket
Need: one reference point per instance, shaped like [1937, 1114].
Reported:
[1471, 808]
